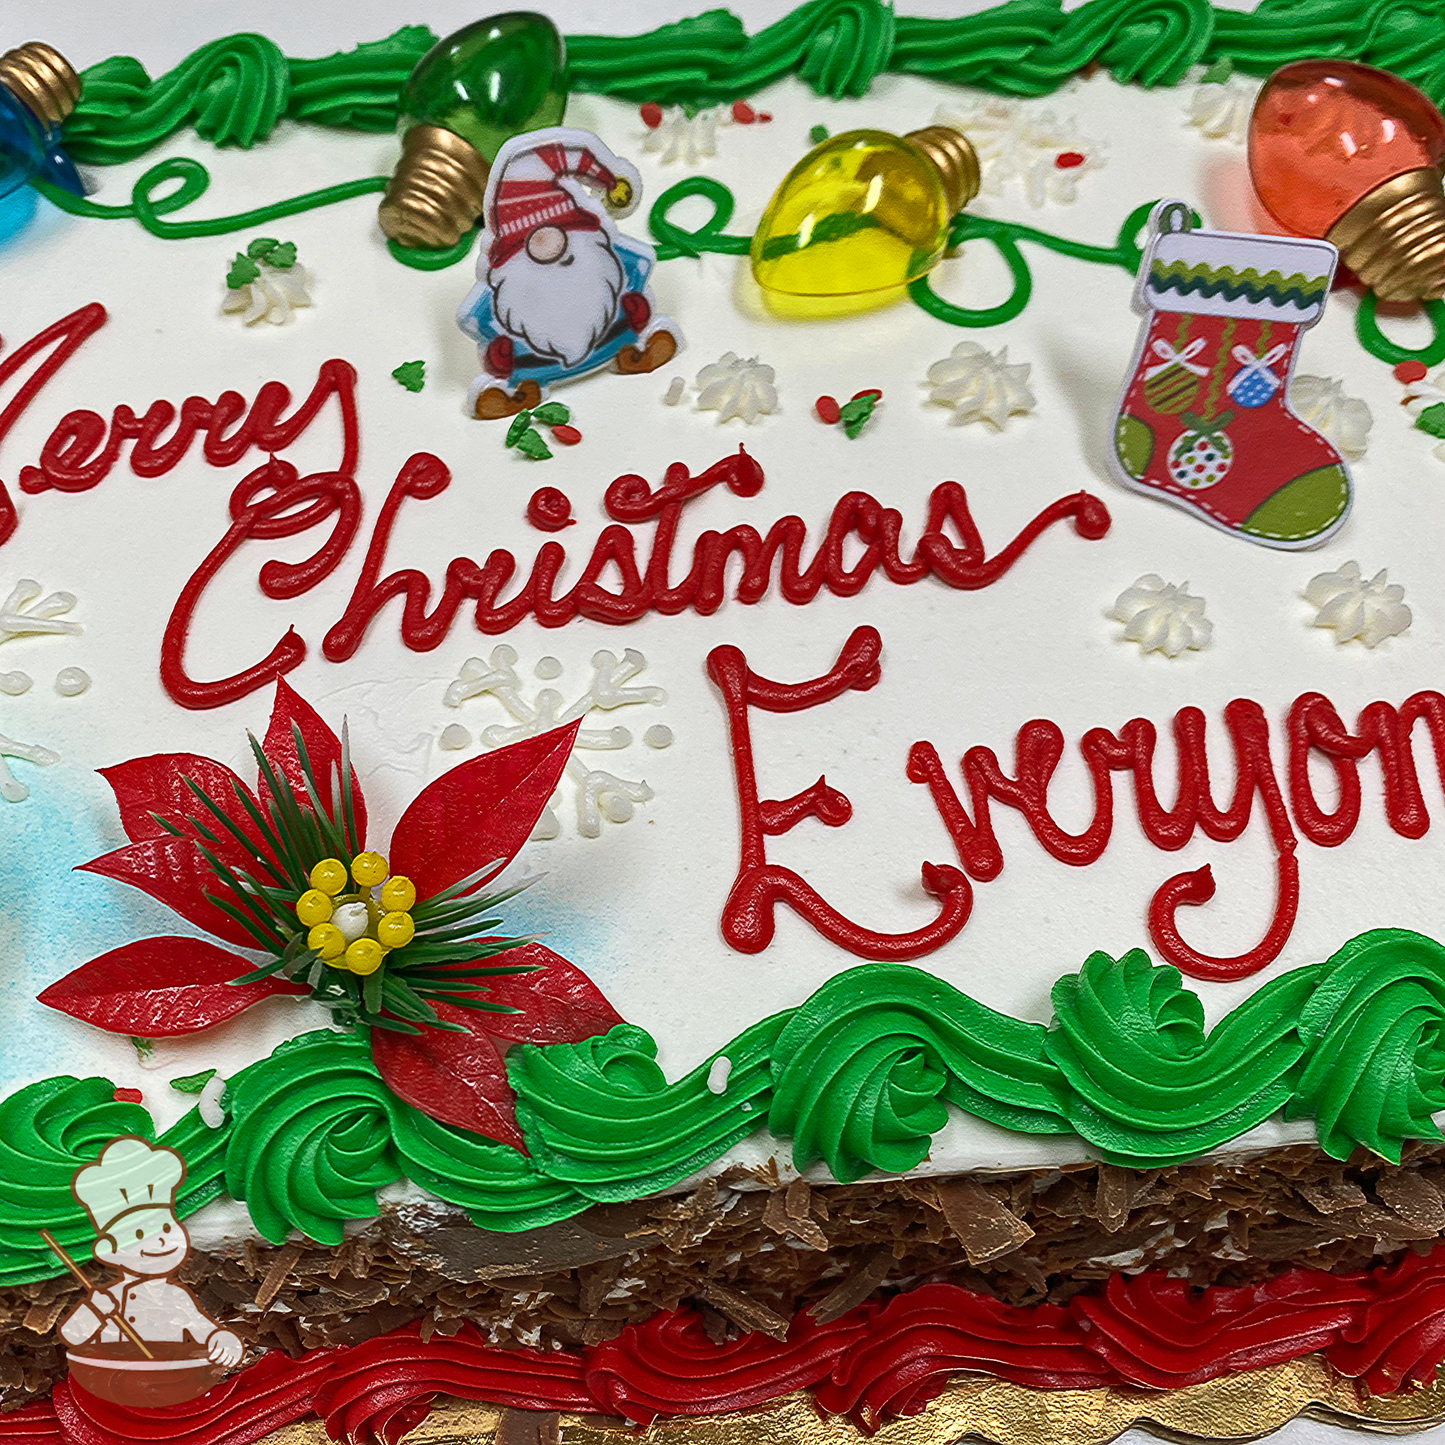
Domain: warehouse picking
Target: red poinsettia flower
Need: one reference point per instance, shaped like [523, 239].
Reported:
[244, 864]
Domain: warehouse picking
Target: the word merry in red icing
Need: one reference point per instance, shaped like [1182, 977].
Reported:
[1291, 809]
[84, 446]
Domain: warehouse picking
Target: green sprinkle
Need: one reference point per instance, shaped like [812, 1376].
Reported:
[261, 247]
[530, 444]
[193, 1083]
[518, 429]
[854, 414]
[144, 1047]
[243, 269]
[411, 374]
[1219, 72]
[283, 257]
[553, 414]
[1432, 419]
[818, 134]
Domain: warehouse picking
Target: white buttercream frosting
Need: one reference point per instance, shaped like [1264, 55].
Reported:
[1162, 616]
[1356, 608]
[1344, 421]
[736, 386]
[981, 385]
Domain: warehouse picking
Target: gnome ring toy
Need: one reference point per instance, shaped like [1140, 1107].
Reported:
[560, 291]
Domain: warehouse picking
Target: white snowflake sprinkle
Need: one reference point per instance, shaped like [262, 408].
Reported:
[273, 296]
[1369, 611]
[598, 795]
[1162, 617]
[681, 137]
[1345, 421]
[732, 386]
[981, 385]
[1221, 109]
[11, 788]
[1018, 141]
[25, 613]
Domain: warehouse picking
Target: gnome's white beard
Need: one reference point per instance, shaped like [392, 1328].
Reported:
[560, 310]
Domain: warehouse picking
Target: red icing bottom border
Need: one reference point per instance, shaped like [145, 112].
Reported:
[1385, 1328]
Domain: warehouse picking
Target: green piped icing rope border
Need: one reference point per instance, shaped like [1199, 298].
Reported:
[860, 1077]
[235, 90]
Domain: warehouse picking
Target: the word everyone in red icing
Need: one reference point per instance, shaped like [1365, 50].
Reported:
[1291, 809]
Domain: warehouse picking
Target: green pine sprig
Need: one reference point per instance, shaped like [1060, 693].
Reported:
[261, 855]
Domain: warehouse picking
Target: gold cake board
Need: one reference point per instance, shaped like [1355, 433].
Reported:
[1239, 1407]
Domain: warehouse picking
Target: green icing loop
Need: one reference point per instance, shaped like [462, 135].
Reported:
[1367, 329]
[860, 1076]
[673, 241]
[420, 259]
[1005, 236]
[148, 208]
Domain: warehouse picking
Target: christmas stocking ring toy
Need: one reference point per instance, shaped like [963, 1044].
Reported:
[1204, 421]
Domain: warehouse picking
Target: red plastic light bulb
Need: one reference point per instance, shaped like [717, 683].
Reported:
[1350, 154]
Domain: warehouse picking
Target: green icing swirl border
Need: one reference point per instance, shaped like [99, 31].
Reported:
[233, 91]
[860, 1076]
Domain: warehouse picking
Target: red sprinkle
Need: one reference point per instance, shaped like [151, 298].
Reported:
[1408, 371]
[127, 1096]
[549, 510]
[875, 392]
[827, 409]
[651, 114]
[569, 436]
[1067, 160]
[743, 113]
[764, 117]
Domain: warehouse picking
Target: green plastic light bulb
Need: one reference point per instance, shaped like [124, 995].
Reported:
[465, 98]
[491, 80]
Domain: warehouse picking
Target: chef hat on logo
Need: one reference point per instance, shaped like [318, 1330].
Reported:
[130, 1174]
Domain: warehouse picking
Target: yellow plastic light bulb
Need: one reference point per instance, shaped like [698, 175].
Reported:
[396, 930]
[314, 906]
[398, 894]
[368, 869]
[329, 876]
[364, 956]
[864, 213]
[329, 941]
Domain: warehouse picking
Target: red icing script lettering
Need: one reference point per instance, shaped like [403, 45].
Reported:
[646, 585]
[1313, 727]
[747, 917]
[65, 336]
[273, 502]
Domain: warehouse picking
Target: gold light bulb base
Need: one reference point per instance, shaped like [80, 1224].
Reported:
[955, 160]
[437, 189]
[42, 80]
[1393, 239]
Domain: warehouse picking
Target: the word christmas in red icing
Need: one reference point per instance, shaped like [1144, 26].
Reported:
[1291, 810]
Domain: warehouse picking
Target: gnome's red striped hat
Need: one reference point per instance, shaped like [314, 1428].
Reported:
[528, 195]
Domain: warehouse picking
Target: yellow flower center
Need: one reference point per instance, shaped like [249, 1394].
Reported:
[355, 930]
